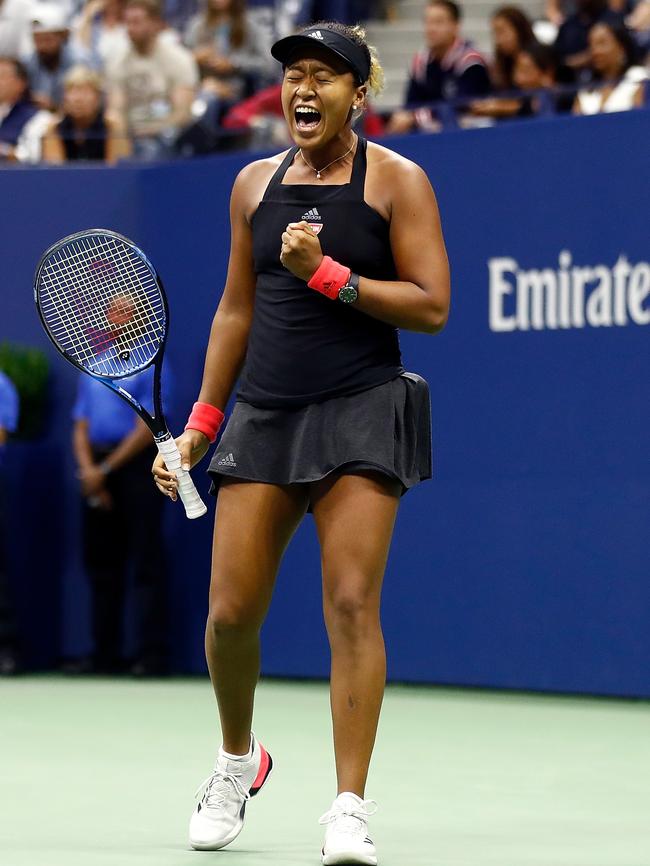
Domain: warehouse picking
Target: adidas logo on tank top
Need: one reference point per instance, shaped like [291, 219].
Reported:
[314, 219]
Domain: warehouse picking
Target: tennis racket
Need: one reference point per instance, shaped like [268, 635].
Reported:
[103, 306]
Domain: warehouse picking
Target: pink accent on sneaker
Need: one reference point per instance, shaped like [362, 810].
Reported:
[264, 770]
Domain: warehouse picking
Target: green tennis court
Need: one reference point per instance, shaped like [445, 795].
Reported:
[101, 772]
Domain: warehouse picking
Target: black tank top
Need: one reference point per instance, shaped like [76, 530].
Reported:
[303, 347]
[90, 145]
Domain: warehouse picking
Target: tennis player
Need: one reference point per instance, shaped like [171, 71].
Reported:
[335, 245]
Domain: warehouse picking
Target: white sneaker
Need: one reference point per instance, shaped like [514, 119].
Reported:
[346, 837]
[219, 816]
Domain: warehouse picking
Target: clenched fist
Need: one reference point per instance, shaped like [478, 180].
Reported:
[301, 251]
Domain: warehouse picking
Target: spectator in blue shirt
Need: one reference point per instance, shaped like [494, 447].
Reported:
[122, 517]
[8, 638]
[572, 42]
[449, 68]
[8, 409]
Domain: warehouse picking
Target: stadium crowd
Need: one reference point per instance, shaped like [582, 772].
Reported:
[149, 79]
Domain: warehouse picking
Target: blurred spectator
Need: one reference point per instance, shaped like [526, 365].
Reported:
[122, 515]
[554, 11]
[572, 43]
[511, 30]
[178, 12]
[15, 28]
[86, 131]
[283, 17]
[100, 29]
[8, 410]
[448, 68]
[639, 18]
[22, 123]
[153, 83]
[9, 660]
[639, 23]
[613, 61]
[534, 75]
[232, 50]
[557, 11]
[53, 54]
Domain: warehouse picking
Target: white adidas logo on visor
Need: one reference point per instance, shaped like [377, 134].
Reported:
[316, 35]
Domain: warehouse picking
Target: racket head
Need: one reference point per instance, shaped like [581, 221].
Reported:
[102, 303]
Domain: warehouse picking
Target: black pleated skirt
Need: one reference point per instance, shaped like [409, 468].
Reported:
[386, 428]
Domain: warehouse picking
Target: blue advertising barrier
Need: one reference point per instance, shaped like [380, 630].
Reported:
[524, 563]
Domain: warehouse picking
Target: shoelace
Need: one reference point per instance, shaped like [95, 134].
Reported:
[350, 820]
[216, 788]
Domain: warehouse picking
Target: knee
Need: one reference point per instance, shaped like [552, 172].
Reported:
[351, 613]
[229, 617]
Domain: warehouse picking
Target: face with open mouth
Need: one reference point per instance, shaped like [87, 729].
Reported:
[318, 92]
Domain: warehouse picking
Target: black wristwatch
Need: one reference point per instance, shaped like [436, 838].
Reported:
[349, 293]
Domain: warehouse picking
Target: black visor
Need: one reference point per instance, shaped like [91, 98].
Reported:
[355, 56]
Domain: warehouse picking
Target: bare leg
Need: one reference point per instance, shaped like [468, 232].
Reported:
[253, 525]
[355, 515]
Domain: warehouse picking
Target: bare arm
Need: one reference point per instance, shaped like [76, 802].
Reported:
[132, 444]
[181, 99]
[419, 299]
[116, 105]
[52, 146]
[495, 107]
[228, 336]
[90, 474]
[232, 321]
[81, 448]
[118, 143]
[84, 28]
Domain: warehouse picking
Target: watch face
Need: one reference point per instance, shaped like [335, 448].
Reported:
[348, 294]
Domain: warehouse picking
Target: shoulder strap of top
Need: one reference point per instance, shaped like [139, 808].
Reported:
[280, 172]
[358, 177]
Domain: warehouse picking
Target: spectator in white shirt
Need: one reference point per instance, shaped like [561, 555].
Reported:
[153, 83]
[617, 78]
[100, 29]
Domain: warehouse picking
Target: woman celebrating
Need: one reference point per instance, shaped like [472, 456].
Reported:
[335, 244]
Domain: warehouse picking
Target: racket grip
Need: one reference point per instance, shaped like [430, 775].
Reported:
[194, 505]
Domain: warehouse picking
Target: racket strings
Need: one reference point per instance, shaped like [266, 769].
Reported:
[102, 286]
[85, 283]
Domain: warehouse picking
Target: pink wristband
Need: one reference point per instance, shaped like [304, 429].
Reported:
[206, 419]
[329, 277]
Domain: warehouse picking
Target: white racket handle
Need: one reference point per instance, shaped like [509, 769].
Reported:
[194, 505]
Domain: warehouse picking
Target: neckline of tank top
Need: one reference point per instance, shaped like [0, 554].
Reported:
[358, 156]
